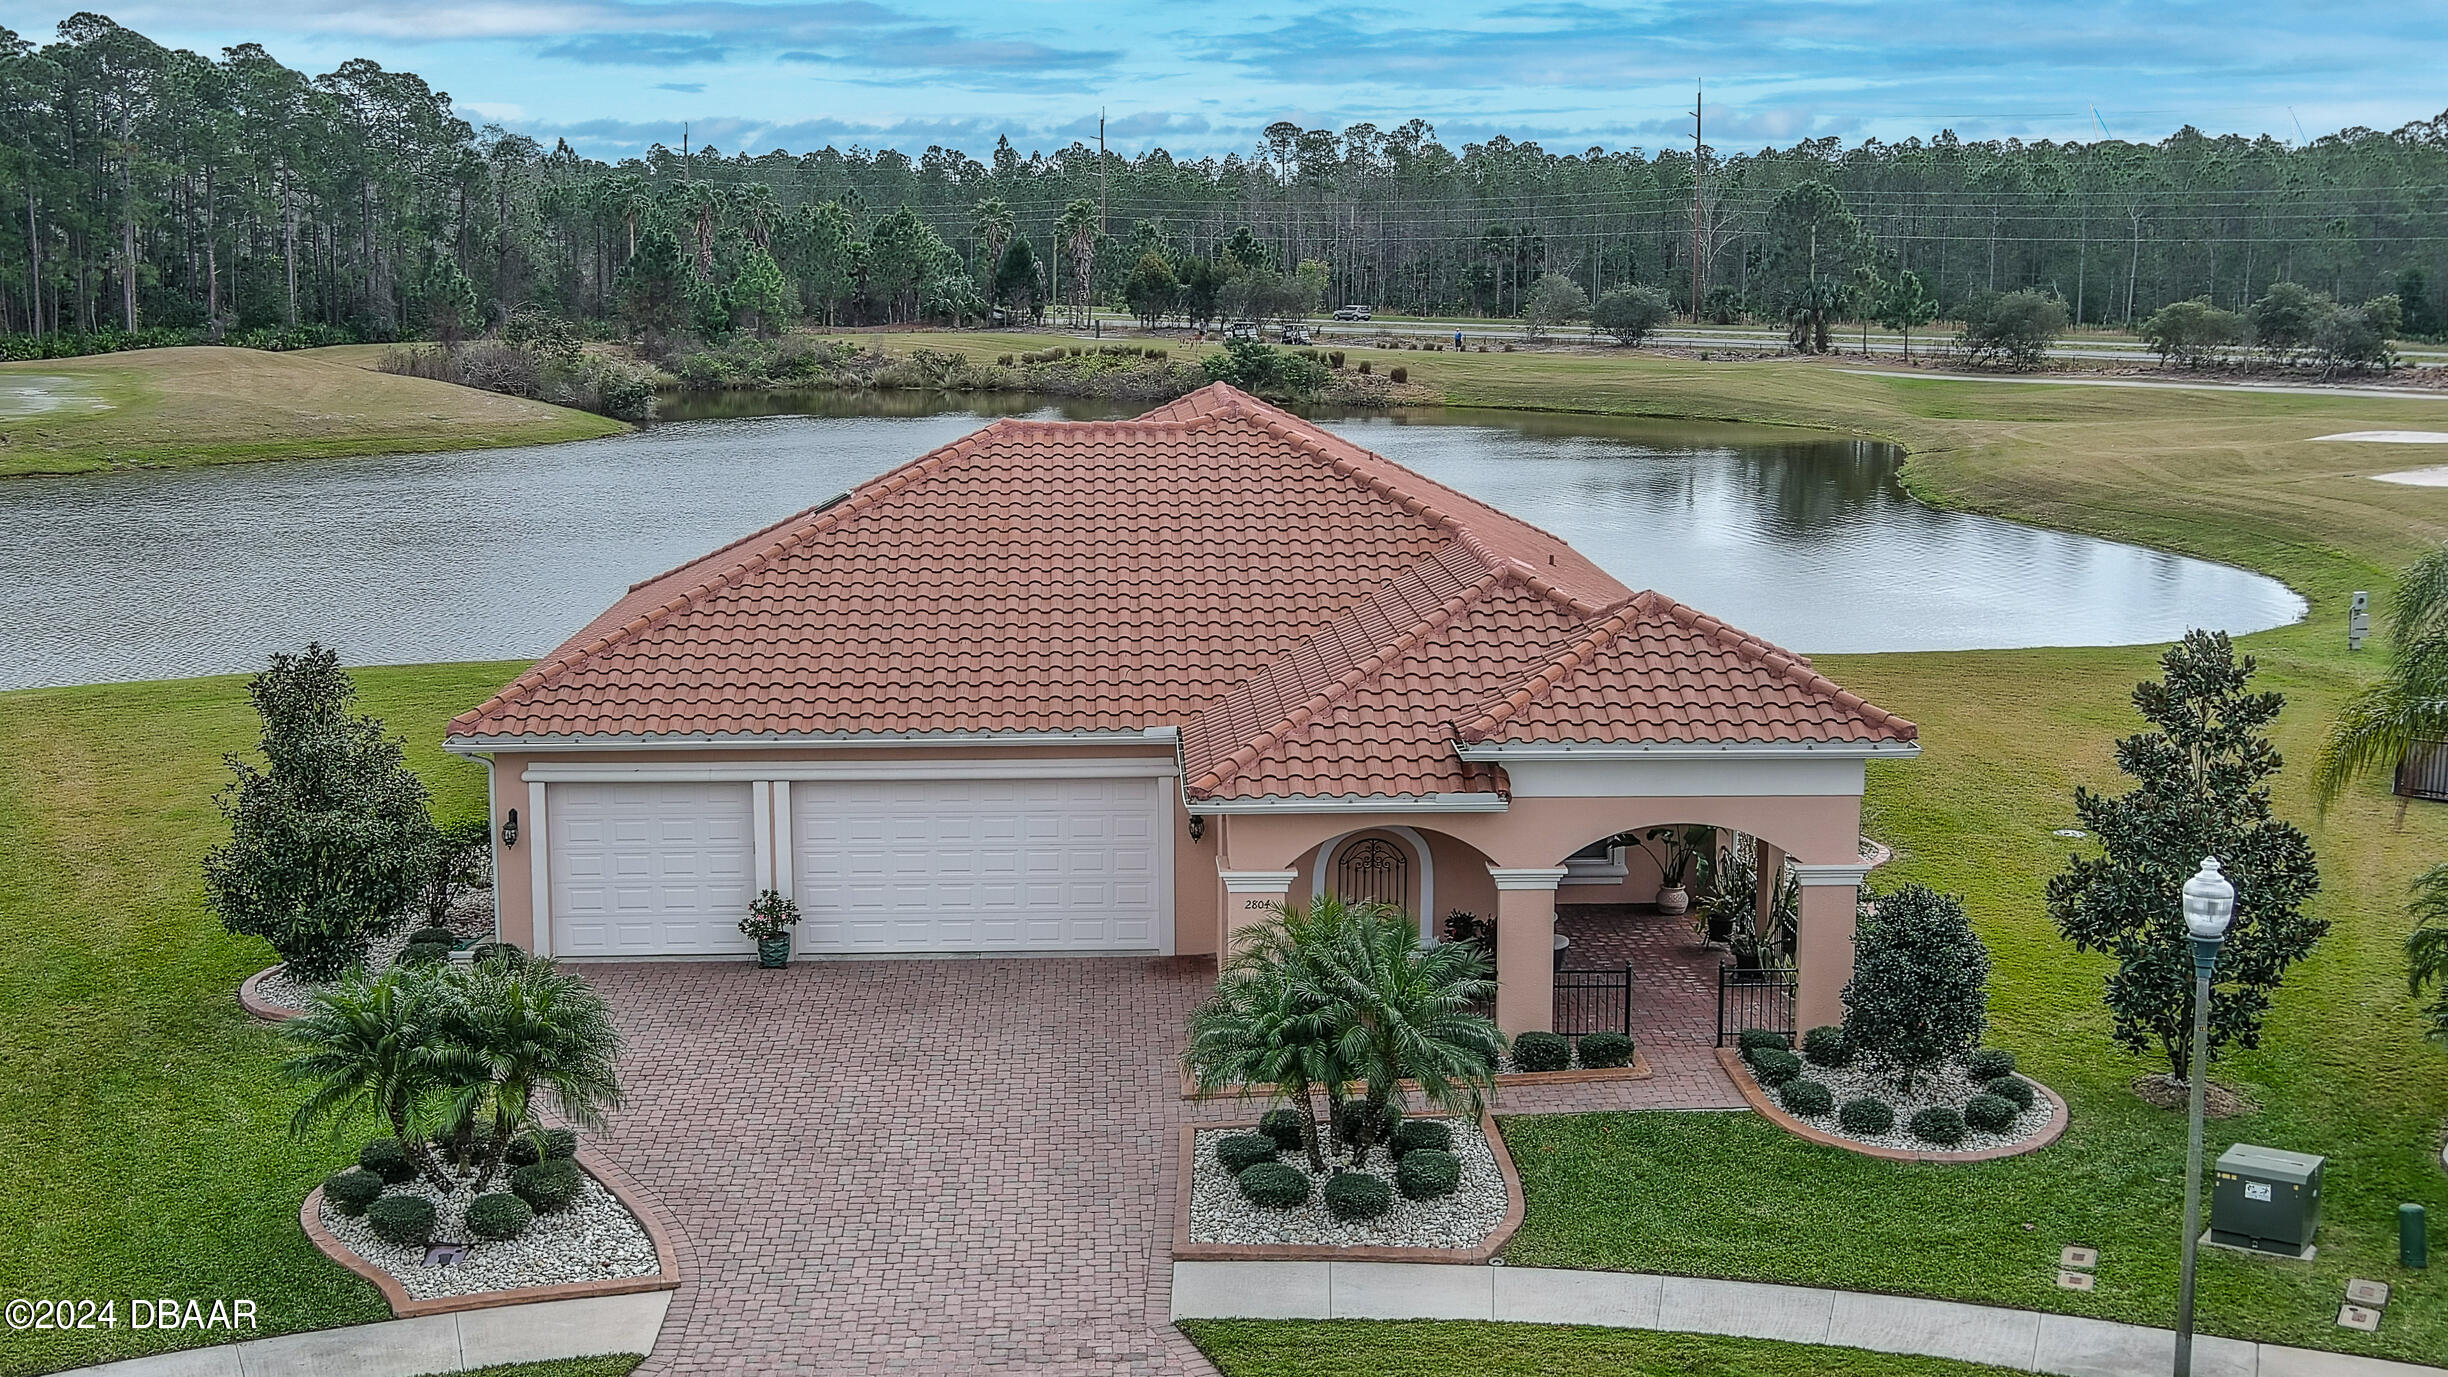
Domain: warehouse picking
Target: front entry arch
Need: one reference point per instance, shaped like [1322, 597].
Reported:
[1325, 869]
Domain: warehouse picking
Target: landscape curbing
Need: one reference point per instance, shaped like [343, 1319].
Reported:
[1517, 1080]
[534, 1332]
[2026, 1340]
[250, 997]
[1768, 1109]
[1185, 1249]
[666, 1275]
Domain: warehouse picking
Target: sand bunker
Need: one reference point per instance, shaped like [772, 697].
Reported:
[32, 394]
[2391, 437]
[2433, 477]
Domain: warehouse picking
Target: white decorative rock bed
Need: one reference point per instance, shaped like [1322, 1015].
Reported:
[1947, 1087]
[1220, 1214]
[471, 916]
[595, 1239]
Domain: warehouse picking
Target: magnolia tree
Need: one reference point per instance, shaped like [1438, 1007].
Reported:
[2200, 788]
[1919, 997]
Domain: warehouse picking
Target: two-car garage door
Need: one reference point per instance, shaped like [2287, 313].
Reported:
[653, 868]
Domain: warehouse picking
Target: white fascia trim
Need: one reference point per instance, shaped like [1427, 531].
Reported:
[1257, 881]
[1500, 752]
[1354, 803]
[1846, 873]
[546, 745]
[709, 771]
[1526, 877]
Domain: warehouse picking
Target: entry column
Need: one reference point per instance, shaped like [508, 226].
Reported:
[1525, 948]
[1824, 960]
[1250, 897]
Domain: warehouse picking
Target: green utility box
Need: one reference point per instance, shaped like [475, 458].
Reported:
[2266, 1200]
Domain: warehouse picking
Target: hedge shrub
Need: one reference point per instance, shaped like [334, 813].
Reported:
[407, 1220]
[444, 936]
[1541, 1052]
[1806, 1097]
[1399, 375]
[1603, 1051]
[1389, 1121]
[1989, 1063]
[1417, 1135]
[1826, 1046]
[2013, 1089]
[1356, 1195]
[1244, 1150]
[1772, 1067]
[1938, 1124]
[388, 1159]
[499, 1216]
[1867, 1116]
[351, 1191]
[1989, 1113]
[510, 953]
[557, 1142]
[1274, 1186]
[423, 954]
[1427, 1173]
[1283, 1125]
[550, 1185]
[1751, 1040]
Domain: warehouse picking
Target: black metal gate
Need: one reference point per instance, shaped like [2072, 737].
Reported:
[2423, 772]
[1594, 1000]
[1754, 999]
[1374, 871]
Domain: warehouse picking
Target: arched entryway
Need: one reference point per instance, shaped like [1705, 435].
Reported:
[1387, 865]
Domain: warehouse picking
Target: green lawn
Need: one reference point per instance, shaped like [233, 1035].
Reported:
[1456, 1348]
[610, 1365]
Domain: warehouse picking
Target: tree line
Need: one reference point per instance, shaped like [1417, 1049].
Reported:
[147, 187]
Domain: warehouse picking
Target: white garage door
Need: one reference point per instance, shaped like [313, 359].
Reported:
[649, 869]
[978, 865]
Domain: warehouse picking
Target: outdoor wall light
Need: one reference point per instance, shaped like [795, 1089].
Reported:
[510, 829]
[1198, 826]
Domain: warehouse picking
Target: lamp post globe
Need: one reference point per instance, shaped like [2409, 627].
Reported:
[2209, 907]
[2209, 903]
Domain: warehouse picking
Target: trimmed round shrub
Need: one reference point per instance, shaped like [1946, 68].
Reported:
[1772, 1067]
[424, 954]
[407, 1220]
[1806, 1097]
[1541, 1052]
[1244, 1150]
[1283, 1125]
[499, 1216]
[2014, 1090]
[1274, 1186]
[1826, 1046]
[1989, 1063]
[1938, 1124]
[1399, 375]
[549, 1186]
[1989, 1113]
[508, 953]
[444, 936]
[1356, 1195]
[1751, 1040]
[351, 1191]
[1418, 1134]
[1355, 1113]
[388, 1159]
[1604, 1051]
[1428, 1173]
[1866, 1116]
[557, 1142]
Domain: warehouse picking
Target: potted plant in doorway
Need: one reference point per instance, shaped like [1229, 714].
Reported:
[1678, 853]
[770, 920]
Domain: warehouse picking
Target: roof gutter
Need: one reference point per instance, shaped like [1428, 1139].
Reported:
[1519, 751]
[1354, 803]
[765, 741]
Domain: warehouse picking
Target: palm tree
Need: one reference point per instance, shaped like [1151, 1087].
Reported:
[1410, 1013]
[2427, 948]
[372, 1043]
[1078, 227]
[2409, 705]
[1262, 1026]
[531, 1030]
[992, 222]
[705, 203]
[758, 208]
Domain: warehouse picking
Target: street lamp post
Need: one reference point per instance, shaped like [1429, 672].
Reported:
[2209, 905]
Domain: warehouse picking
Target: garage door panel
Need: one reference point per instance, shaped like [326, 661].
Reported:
[977, 865]
[649, 869]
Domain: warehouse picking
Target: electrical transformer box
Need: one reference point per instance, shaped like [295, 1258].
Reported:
[2266, 1199]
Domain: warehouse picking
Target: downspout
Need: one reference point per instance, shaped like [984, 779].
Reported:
[493, 828]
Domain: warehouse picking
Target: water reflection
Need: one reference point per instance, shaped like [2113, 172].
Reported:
[501, 553]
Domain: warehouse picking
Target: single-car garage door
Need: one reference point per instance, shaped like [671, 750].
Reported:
[978, 865]
[649, 869]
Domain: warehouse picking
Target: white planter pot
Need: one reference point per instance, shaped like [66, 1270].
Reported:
[1673, 900]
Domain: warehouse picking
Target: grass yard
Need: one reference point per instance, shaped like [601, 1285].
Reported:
[159, 407]
[1459, 1348]
[609, 1365]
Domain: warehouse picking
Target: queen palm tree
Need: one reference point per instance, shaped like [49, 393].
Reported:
[2409, 705]
[373, 1044]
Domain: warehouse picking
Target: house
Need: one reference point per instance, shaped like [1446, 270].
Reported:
[1063, 688]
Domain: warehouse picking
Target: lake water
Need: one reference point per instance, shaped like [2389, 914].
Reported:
[499, 554]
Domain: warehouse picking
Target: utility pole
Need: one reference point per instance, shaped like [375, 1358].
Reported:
[684, 153]
[1697, 214]
[1102, 176]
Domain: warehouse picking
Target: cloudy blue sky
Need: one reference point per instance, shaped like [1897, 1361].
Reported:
[1197, 77]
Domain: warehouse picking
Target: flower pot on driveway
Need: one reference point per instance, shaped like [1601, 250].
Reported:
[1674, 900]
[773, 953]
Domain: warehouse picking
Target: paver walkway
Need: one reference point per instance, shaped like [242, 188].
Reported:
[2067, 1345]
[937, 1166]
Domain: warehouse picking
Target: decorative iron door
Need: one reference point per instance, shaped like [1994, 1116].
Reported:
[1374, 871]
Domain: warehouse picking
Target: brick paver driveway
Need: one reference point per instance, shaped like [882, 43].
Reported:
[933, 1166]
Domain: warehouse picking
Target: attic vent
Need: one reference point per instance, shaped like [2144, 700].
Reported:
[1551, 560]
[830, 503]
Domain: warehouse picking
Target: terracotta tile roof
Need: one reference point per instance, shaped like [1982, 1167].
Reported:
[1314, 618]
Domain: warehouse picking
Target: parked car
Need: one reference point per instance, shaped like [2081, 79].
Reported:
[1351, 312]
[1296, 334]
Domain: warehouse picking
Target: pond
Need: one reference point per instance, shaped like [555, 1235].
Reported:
[499, 554]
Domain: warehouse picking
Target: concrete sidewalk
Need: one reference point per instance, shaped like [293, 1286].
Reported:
[2067, 1345]
[538, 1331]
